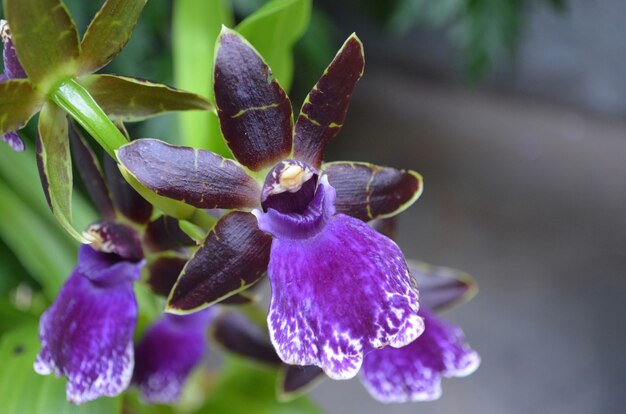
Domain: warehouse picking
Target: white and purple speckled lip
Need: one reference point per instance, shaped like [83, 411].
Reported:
[339, 288]
[414, 372]
[168, 352]
[87, 333]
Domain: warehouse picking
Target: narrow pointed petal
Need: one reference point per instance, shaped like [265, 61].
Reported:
[54, 161]
[414, 372]
[239, 335]
[442, 288]
[164, 233]
[108, 33]
[18, 103]
[131, 100]
[366, 191]
[87, 334]
[163, 273]
[195, 176]
[324, 110]
[234, 256]
[295, 380]
[45, 38]
[312, 319]
[125, 198]
[168, 352]
[12, 67]
[254, 111]
[90, 171]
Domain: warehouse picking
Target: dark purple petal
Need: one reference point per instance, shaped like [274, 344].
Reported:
[89, 168]
[87, 333]
[367, 191]
[324, 110]
[164, 233]
[254, 111]
[233, 256]
[126, 199]
[14, 141]
[12, 67]
[168, 352]
[414, 372]
[338, 292]
[120, 239]
[195, 176]
[239, 335]
[442, 288]
[295, 380]
[163, 274]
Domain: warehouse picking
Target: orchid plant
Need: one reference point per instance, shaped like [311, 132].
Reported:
[192, 231]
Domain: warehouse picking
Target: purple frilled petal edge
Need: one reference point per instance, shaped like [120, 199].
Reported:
[414, 372]
[336, 294]
[87, 333]
[168, 352]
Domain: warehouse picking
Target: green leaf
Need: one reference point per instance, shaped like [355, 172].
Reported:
[246, 388]
[55, 166]
[42, 250]
[77, 102]
[45, 38]
[24, 391]
[18, 103]
[195, 28]
[129, 99]
[108, 33]
[273, 30]
[20, 173]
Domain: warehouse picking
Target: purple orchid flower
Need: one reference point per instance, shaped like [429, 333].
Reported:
[87, 333]
[12, 70]
[339, 288]
[168, 352]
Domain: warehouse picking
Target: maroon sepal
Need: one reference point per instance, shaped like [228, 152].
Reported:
[119, 239]
[195, 176]
[239, 335]
[367, 191]
[441, 288]
[91, 173]
[163, 273]
[125, 198]
[295, 379]
[324, 110]
[254, 111]
[234, 255]
[164, 233]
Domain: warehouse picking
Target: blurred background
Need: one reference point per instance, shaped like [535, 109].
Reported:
[515, 114]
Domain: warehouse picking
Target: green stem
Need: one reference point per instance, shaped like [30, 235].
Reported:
[76, 101]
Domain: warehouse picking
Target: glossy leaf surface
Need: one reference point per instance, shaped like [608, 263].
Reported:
[129, 99]
[108, 33]
[18, 103]
[45, 38]
[55, 166]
